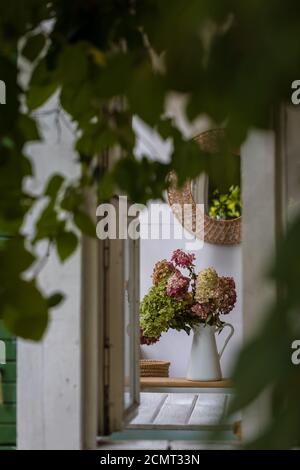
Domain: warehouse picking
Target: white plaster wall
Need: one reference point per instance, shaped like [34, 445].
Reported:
[48, 415]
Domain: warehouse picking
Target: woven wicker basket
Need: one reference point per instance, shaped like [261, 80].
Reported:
[152, 368]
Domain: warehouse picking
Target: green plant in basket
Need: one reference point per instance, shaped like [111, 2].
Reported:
[226, 206]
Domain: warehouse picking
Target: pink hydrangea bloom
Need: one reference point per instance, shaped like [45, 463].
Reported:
[148, 340]
[201, 310]
[177, 285]
[226, 295]
[182, 259]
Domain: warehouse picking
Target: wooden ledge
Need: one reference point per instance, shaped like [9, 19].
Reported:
[168, 382]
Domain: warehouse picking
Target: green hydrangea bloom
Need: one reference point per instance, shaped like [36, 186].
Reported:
[206, 285]
[162, 271]
[158, 310]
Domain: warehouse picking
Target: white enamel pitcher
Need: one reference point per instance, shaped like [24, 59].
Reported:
[204, 363]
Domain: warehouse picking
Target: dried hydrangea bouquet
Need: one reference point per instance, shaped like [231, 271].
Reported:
[189, 302]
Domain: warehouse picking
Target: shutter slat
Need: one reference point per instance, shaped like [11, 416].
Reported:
[8, 434]
[9, 372]
[8, 428]
[8, 414]
[9, 393]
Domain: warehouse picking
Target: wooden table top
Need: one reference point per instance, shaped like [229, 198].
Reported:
[166, 382]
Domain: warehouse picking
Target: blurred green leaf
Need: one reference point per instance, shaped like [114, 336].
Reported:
[96, 140]
[34, 46]
[73, 64]
[66, 244]
[115, 76]
[146, 95]
[72, 199]
[54, 185]
[187, 160]
[141, 180]
[55, 299]
[29, 128]
[85, 224]
[7, 142]
[25, 313]
[39, 95]
[14, 259]
[48, 224]
[42, 86]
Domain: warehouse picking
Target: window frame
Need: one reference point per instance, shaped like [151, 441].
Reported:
[103, 294]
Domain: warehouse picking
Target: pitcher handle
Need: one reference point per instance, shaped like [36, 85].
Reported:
[228, 337]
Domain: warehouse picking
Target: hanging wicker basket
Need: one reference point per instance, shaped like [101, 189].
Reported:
[220, 232]
[153, 368]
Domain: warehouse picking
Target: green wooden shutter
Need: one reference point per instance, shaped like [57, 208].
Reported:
[8, 425]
